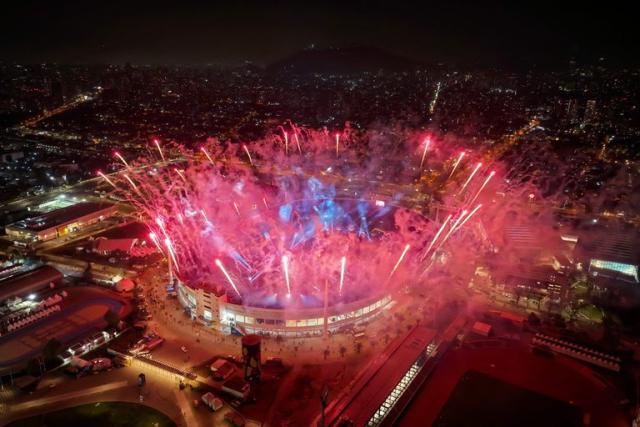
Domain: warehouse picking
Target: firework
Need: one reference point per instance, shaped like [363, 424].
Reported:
[484, 184]
[435, 238]
[229, 279]
[295, 136]
[204, 215]
[303, 207]
[154, 239]
[285, 269]
[160, 224]
[246, 150]
[106, 178]
[475, 170]
[424, 153]
[286, 143]
[468, 216]
[181, 174]
[169, 245]
[157, 143]
[124, 162]
[133, 184]
[343, 264]
[395, 267]
[452, 229]
[206, 153]
[455, 165]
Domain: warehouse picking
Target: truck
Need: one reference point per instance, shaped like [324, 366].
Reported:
[237, 387]
[222, 369]
[153, 343]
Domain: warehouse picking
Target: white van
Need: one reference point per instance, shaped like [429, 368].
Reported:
[213, 402]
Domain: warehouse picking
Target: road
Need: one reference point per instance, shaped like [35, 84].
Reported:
[73, 395]
[69, 105]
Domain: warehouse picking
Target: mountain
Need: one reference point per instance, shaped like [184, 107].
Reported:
[342, 61]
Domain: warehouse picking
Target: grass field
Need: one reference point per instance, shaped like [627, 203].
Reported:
[105, 414]
[482, 401]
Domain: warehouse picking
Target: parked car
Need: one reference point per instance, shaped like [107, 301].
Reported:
[101, 364]
[222, 369]
[234, 418]
[233, 358]
[212, 401]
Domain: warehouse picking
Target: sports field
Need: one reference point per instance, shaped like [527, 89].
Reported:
[481, 400]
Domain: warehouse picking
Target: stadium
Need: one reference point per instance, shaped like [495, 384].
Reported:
[315, 298]
[302, 233]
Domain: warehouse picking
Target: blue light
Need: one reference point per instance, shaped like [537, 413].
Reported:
[285, 212]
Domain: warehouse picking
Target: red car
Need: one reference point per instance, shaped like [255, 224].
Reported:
[234, 418]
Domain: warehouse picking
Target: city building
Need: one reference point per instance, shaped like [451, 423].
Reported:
[59, 222]
[612, 255]
[542, 284]
[27, 284]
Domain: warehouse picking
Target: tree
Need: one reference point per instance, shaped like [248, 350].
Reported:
[558, 321]
[34, 368]
[111, 318]
[533, 319]
[52, 349]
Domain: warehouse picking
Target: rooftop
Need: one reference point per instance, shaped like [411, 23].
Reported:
[29, 282]
[372, 386]
[61, 216]
[614, 246]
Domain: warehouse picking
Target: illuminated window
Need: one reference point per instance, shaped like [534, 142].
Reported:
[400, 388]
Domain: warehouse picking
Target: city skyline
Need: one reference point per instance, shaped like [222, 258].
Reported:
[467, 33]
[326, 214]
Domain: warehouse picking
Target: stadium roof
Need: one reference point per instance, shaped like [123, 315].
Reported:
[60, 216]
[372, 386]
[614, 246]
[29, 282]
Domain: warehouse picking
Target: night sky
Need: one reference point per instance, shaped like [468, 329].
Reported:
[235, 31]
